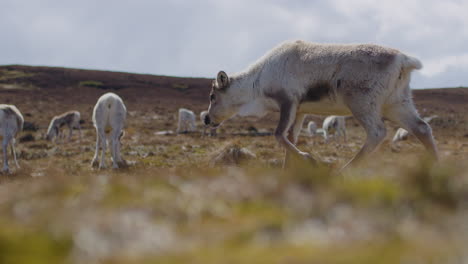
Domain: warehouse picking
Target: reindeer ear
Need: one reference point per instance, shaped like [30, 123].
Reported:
[223, 80]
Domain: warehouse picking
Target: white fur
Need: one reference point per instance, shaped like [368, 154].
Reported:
[312, 128]
[109, 112]
[334, 125]
[202, 119]
[297, 78]
[402, 134]
[64, 119]
[186, 121]
[11, 123]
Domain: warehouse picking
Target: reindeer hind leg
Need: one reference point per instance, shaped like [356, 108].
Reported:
[406, 116]
[371, 120]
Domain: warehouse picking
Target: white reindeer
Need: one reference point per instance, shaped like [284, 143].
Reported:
[403, 134]
[334, 125]
[109, 112]
[400, 135]
[71, 119]
[11, 123]
[298, 78]
[186, 121]
[212, 129]
[312, 128]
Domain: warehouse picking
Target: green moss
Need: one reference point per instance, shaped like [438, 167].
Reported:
[92, 84]
[387, 252]
[7, 75]
[22, 245]
[372, 191]
[429, 182]
[180, 86]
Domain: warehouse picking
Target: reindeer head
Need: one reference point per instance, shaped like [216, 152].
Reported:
[52, 132]
[223, 100]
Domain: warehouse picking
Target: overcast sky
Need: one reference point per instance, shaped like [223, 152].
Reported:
[199, 38]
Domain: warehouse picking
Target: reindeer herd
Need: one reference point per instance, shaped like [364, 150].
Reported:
[368, 82]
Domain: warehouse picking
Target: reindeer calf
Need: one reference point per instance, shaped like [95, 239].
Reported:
[71, 119]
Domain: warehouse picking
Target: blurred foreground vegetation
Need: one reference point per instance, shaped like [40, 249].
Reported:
[246, 214]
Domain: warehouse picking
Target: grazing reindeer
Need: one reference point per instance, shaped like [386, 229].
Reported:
[335, 125]
[11, 123]
[297, 78]
[202, 118]
[403, 134]
[312, 128]
[70, 119]
[109, 112]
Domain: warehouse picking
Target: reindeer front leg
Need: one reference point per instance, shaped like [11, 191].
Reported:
[70, 132]
[5, 141]
[81, 133]
[287, 116]
[95, 162]
[293, 134]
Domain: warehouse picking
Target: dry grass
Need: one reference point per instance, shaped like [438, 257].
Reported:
[171, 207]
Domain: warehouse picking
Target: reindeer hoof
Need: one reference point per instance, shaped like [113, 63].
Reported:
[307, 157]
[94, 164]
[122, 164]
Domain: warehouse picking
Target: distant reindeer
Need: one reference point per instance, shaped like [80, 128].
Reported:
[212, 129]
[11, 123]
[334, 125]
[297, 78]
[403, 134]
[109, 112]
[71, 119]
[186, 121]
[312, 128]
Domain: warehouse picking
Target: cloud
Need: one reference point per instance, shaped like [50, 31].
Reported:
[198, 38]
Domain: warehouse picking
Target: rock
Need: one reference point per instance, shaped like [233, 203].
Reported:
[132, 153]
[252, 130]
[232, 155]
[164, 133]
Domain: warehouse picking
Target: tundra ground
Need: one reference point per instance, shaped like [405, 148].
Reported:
[171, 206]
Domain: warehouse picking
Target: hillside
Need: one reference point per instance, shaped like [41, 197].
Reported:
[177, 202]
[64, 88]
[164, 88]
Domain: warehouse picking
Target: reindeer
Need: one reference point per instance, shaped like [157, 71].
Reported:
[11, 123]
[202, 118]
[335, 125]
[312, 128]
[297, 78]
[109, 112]
[71, 119]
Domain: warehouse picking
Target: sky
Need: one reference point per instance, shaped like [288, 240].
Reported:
[199, 38]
